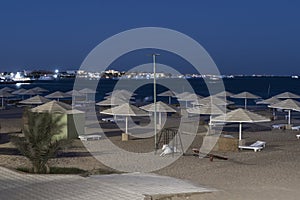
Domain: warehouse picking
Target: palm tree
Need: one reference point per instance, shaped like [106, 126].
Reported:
[40, 143]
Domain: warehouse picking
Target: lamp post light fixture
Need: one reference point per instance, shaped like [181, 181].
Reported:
[154, 99]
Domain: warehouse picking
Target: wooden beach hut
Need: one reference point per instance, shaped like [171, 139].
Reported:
[74, 119]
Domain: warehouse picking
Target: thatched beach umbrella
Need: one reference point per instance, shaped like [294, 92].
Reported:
[19, 91]
[58, 95]
[3, 95]
[182, 94]
[125, 110]
[240, 116]
[6, 89]
[29, 92]
[161, 107]
[223, 94]
[123, 96]
[120, 94]
[53, 107]
[36, 100]
[39, 89]
[287, 95]
[213, 100]
[87, 91]
[269, 101]
[75, 93]
[208, 109]
[189, 97]
[121, 91]
[289, 105]
[169, 94]
[245, 95]
[111, 101]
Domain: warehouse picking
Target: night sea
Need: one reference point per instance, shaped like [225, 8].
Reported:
[264, 87]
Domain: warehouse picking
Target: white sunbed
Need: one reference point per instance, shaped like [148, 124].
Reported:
[89, 137]
[111, 119]
[298, 137]
[257, 146]
[217, 124]
[296, 128]
[278, 126]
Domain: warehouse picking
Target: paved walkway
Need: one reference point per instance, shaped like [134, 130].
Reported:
[131, 186]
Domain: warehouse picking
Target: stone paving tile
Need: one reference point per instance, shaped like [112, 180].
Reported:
[131, 186]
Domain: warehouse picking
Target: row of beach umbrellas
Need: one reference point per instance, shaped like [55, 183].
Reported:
[213, 105]
[36, 93]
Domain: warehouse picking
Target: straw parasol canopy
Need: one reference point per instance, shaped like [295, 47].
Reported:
[167, 93]
[6, 89]
[3, 95]
[19, 91]
[183, 94]
[29, 92]
[36, 100]
[245, 95]
[161, 107]
[39, 89]
[53, 107]
[75, 93]
[213, 100]
[87, 91]
[58, 95]
[126, 110]
[208, 109]
[121, 91]
[223, 94]
[110, 101]
[240, 116]
[120, 94]
[269, 101]
[287, 95]
[289, 105]
[189, 97]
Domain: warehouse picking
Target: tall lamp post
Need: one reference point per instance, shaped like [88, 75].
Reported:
[154, 98]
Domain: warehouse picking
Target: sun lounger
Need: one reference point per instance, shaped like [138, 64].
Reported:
[257, 146]
[217, 124]
[110, 119]
[89, 137]
[298, 137]
[278, 126]
[296, 128]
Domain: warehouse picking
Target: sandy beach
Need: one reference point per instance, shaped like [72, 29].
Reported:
[272, 173]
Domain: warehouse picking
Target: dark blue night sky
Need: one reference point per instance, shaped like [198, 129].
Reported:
[243, 37]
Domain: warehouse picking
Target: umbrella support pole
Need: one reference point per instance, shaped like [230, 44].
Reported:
[159, 121]
[240, 132]
[125, 136]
